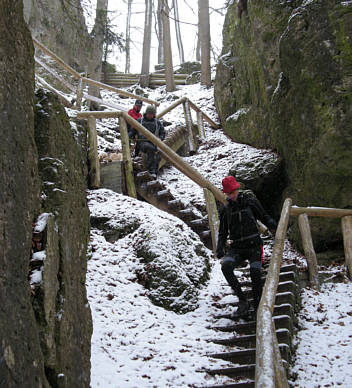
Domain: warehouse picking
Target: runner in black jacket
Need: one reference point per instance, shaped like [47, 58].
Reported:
[238, 223]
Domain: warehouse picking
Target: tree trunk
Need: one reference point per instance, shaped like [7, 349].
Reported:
[97, 42]
[198, 46]
[178, 32]
[169, 70]
[128, 38]
[160, 33]
[204, 34]
[144, 80]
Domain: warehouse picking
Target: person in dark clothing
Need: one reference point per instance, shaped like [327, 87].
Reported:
[135, 113]
[238, 222]
[156, 127]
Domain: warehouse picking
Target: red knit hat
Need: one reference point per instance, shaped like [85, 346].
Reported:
[229, 184]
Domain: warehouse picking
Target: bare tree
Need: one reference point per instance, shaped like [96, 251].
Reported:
[97, 44]
[160, 33]
[204, 34]
[128, 38]
[169, 71]
[178, 31]
[144, 80]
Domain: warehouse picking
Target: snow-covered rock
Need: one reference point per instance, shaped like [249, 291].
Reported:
[168, 258]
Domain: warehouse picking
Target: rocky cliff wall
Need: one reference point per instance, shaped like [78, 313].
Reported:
[45, 322]
[285, 82]
[60, 25]
[21, 360]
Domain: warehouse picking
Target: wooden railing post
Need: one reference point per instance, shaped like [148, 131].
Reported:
[269, 367]
[346, 223]
[188, 119]
[127, 161]
[80, 87]
[308, 248]
[200, 124]
[94, 167]
[213, 217]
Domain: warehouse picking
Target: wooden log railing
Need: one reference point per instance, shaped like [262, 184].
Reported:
[269, 367]
[211, 192]
[269, 371]
[82, 81]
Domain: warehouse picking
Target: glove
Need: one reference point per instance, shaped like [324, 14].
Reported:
[272, 225]
[220, 252]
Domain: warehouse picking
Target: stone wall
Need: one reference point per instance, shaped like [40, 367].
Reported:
[284, 82]
[45, 321]
[60, 25]
[21, 360]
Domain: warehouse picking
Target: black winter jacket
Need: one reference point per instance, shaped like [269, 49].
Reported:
[238, 222]
[154, 126]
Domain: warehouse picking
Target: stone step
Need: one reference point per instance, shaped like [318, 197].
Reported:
[175, 204]
[164, 195]
[241, 384]
[249, 327]
[282, 309]
[187, 214]
[249, 340]
[243, 371]
[154, 185]
[247, 356]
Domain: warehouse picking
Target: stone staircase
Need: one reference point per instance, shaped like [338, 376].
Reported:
[157, 194]
[242, 341]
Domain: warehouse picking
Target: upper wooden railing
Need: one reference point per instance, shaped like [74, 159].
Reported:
[270, 372]
[82, 82]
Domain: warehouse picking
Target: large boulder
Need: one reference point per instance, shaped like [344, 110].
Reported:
[168, 258]
[21, 360]
[284, 82]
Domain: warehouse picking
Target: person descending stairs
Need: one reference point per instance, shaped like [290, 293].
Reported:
[238, 221]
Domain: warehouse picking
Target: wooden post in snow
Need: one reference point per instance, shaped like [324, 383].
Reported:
[213, 217]
[79, 94]
[189, 125]
[200, 123]
[309, 252]
[346, 223]
[94, 167]
[127, 161]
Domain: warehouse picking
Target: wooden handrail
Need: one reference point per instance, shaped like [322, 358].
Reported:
[166, 151]
[89, 81]
[56, 58]
[172, 106]
[269, 368]
[320, 212]
[121, 92]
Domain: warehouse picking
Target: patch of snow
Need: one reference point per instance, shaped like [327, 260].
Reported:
[238, 114]
[41, 222]
[36, 277]
[39, 256]
[323, 356]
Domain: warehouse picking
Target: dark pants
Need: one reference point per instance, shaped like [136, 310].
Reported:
[233, 259]
[153, 157]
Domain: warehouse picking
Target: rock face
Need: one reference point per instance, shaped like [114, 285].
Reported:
[21, 360]
[161, 252]
[60, 301]
[284, 82]
[60, 25]
[44, 329]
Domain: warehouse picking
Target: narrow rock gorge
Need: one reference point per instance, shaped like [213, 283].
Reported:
[284, 82]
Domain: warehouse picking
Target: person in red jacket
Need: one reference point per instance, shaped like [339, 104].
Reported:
[136, 114]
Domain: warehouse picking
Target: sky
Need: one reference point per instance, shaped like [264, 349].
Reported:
[188, 13]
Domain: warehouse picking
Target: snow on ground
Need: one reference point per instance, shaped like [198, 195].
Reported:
[135, 343]
[324, 342]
